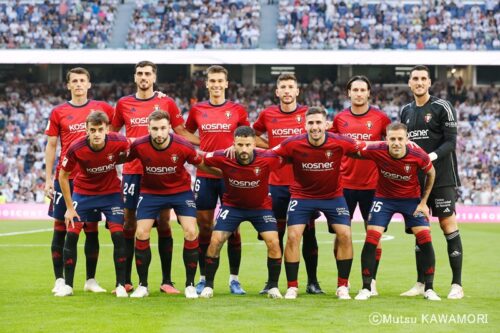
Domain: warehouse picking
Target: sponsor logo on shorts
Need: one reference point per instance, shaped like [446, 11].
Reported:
[343, 211]
[190, 204]
[117, 210]
[269, 219]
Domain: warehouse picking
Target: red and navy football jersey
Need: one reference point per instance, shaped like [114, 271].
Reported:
[370, 126]
[398, 177]
[316, 169]
[163, 170]
[97, 174]
[67, 121]
[134, 112]
[216, 125]
[247, 186]
[280, 126]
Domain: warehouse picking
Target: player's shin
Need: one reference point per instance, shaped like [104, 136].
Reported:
[455, 255]
[142, 260]
[119, 257]
[310, 252]
[91, 249]
[190, 256]
[273, 270]
[368, 257]
[211, 266]
[57, 247]
[165, 246]
[70, 257]
[424, 241]
[234, 252]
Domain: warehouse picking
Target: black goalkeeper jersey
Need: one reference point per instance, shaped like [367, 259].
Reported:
[433, 127]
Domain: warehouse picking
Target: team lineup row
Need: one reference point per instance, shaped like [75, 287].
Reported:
[317, 179]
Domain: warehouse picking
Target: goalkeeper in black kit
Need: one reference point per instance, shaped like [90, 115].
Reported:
[432, 124]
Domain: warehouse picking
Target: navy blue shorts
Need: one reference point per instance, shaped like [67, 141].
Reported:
[57, 207]
[300, 211]
[383, 209]
[150, 205]
[111, 205]
[207, 191]
[280, 195]
[131, 185]
[362, 197]
[229, 219]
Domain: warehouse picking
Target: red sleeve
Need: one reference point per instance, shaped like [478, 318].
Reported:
[174, 112]
[117, 121]
[281, 150]
[243, 117]
[335, 125]
[191, 124]
[69, 161]
[353, 146]
[386, 121]
[193, 157]
[213, 160]
[260, 125]
[424, 163]
[133, 153]
[53, 125]
[109, 110]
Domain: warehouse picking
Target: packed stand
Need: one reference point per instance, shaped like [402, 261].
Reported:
[430, 25]
[67, 24]
[197, 24]
[24, 110]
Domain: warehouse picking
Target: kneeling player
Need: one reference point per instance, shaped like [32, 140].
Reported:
[398, 191]
[165, 184]
[246, 199]
[97, 188]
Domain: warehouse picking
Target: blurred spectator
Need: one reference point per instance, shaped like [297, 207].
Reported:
[197, 24]
[67, 24]
[431, 24]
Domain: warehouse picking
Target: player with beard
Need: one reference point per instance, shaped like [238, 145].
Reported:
[280, 122]
[432, 124]
[132, 112]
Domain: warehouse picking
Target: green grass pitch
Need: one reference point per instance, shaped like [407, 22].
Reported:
[27, 305]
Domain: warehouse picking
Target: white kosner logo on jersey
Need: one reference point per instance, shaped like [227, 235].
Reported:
[101, 169]
[317, 166]
[358, 136]
[77, 127]
[286, 132]
[161, 170]
[244, 183]
[395, 176]
[215, 127]
[141, 121]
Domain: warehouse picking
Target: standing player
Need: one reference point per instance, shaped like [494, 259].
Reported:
[246, 199]
[316, 158]
[67, 122]
[398, 191]
[165, 184]
[359, 177]
[432, 124]
[132, 112]
[96, 188]
[281, 122]
[215, 120]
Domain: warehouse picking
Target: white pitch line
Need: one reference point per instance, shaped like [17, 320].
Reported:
[25, 232]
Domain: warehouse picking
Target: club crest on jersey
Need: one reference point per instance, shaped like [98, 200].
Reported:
[110, 157]
[174, 158]
[328, 154]
[256, 170]
[299, 118]
[156, 107]
[369, 124]
[407, 168]
[428, 117]
[228, 114]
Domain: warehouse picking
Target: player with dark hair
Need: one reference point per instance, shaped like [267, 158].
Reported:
[316, 157]
[132, 112]
[67, 122]
[245, 199]
[215, 120]
[280, 122]
[360, 121]
[432, 124]
[165, 184]
[398, 191]
[96, 189]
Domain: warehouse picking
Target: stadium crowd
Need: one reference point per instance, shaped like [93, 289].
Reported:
[24, 110]
[195, 24]
[431, 25]
[67, 24]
